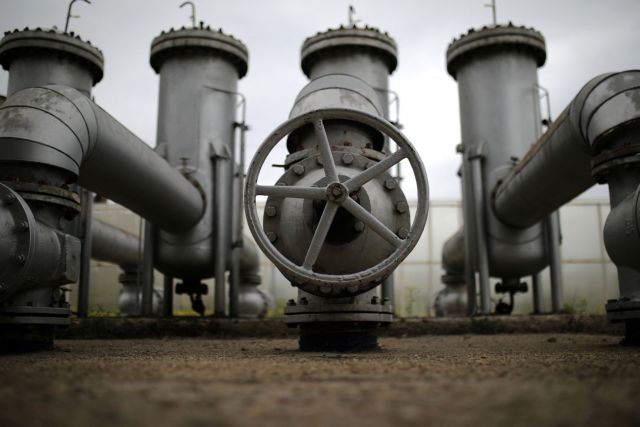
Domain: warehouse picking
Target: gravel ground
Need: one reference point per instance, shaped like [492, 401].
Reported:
[488, 380]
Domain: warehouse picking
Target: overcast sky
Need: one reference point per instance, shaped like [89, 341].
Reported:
[584, 38]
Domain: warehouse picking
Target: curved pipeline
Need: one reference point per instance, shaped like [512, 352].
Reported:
[59, 126]
[113, 245]
[453, 260]
[559, 166]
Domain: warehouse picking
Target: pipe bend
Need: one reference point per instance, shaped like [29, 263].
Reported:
[453, 261]
[59, 126]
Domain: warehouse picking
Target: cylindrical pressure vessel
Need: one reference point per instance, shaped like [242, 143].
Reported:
[496, 71]
[366, 53]
[199, 70]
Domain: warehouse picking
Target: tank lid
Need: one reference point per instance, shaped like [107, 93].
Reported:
[27, 40]
[336, 39]
[198, 39]
[490, 39]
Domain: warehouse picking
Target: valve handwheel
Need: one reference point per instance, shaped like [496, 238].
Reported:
[336, 194]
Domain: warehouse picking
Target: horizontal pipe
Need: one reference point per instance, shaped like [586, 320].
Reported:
[113, 245]
[558, 167]
[59, 126]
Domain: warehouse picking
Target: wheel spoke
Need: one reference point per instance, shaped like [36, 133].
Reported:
[379, 168]
[371, 221]
[325, 151]
[320, 235]
[291, 191]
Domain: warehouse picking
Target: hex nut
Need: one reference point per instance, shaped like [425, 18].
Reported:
[359, 226]
[272, 236]
[347, 158]
[403, 233]
[23, 226]
[390, 184]
[271, 211]
[401, 207]
[298, 169]
[10, 199]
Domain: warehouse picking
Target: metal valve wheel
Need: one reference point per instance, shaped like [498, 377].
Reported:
[336, 194]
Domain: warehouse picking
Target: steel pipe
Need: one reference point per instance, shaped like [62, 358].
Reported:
[558, 166]
[59, 126]
[113, 245]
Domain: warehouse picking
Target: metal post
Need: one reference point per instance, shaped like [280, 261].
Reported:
[388, 289]
[555, 266]
[167, 299]
[85, 266]
[220, 225]
[469, 243]
[475, 162]
[147, 269]
[536, 290]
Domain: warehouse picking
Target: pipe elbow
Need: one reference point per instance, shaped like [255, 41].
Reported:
[453, 261]
[622, 232]
[52, 125]
[610, 104]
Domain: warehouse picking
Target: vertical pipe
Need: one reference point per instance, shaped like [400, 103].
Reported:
[220, 224]
[236, 247]
[536, 291]
[469, 241]
[555, 266]
[85, 266]
[147, 270]
[167, 299]
[475, 162]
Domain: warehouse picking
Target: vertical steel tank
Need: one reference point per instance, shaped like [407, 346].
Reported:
[199, 70]
[366, 53]
[496, 70]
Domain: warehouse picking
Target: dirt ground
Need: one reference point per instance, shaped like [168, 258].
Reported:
[478, 380]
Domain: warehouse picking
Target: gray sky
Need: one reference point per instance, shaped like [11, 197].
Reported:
[584, 38]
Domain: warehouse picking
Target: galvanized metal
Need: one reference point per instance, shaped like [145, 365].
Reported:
[363, 52]
[148, 261]
[496, 70]
[36, 57]
[562, 158]
[60, 127]
[199, 70]
[87, 245]
[111, 244]
[33, 254]
[304, 275]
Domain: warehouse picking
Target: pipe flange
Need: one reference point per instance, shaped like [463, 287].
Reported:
[199, 39]
[603, 163]
[369, 153]
[30, 191]
[17, 240]
[489, 39]
[622, 309]
[69, 44]
[365, 38]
